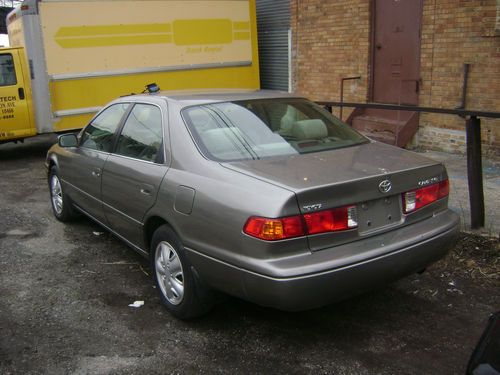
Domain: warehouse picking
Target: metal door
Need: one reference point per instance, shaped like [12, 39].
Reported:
[129, 189]
[396, 51]
[83, 167]
[14, 107]
[134, 171]
[83, 179]
[273, 23]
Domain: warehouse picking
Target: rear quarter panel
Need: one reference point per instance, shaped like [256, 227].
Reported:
[223, 202]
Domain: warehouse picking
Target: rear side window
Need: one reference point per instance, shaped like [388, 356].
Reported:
[141, 137]
[7, 70]
[98, 135]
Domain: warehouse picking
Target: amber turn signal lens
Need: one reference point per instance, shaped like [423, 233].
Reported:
[274, 229]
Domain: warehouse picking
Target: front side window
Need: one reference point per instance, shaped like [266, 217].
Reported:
[7, 70]
[141, 137]
[98, 135]
[255, 129]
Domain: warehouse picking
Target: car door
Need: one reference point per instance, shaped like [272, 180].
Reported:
[15, 96]
[134, 171]
[82, 170]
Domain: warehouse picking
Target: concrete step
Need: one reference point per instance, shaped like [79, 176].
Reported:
[377, 128]
[394, 131]
[371, 123]
[388, 114]
[381, 136]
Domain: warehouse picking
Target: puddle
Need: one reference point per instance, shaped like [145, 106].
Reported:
[18, 233]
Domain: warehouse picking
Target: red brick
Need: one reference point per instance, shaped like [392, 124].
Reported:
[331, 40]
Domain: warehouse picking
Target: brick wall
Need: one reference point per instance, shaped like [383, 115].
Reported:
[456, 32]
[331, 40]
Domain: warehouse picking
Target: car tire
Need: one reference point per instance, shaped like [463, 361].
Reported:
[181, 290]
[61, 205]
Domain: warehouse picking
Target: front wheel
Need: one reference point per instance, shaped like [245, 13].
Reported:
[61, 206]
[180, 290]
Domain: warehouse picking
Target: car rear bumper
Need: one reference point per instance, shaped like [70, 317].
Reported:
[306, 291]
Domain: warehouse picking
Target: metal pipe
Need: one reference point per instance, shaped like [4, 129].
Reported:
[475, 172]
[414, 108]
[465, 85]
[474, 162]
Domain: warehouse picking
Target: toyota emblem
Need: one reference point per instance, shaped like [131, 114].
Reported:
[385, 186]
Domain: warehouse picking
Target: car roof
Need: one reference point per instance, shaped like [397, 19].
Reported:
[197, 97]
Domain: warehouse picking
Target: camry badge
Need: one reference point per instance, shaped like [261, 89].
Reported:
[385, 186]
[312, 207]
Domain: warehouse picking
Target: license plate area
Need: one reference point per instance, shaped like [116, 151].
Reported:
[379, 213]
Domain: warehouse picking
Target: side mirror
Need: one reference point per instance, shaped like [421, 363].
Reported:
[67, 140]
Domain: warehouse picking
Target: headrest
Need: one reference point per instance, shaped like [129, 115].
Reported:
[309, 129]
[143, 114]
[221, 140]
[288, 120]
[197, 116]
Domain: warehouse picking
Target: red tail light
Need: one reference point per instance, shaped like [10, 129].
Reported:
[338, 219]
[444, 189]
[332, 220]
[416, 199]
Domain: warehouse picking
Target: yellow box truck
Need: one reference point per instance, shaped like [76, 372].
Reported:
[68, 58]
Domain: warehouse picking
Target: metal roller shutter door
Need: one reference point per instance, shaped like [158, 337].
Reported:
[273, 23]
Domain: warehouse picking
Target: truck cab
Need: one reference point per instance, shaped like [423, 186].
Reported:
[16, 114]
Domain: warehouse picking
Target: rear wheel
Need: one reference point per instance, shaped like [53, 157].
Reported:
[61, 205]
[180, 290]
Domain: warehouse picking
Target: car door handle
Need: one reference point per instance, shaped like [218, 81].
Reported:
[147, 189]
[96, 172]
[20, 91]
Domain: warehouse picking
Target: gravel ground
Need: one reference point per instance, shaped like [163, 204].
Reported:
[65, 291]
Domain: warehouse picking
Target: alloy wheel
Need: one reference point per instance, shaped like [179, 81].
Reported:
[169, 273]
[56, 194]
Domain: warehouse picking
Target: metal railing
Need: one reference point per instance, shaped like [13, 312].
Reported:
[473, 141]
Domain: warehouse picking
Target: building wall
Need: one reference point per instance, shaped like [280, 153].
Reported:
[455, 33]
[332, 40]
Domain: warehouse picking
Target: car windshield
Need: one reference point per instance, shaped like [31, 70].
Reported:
[255, 129]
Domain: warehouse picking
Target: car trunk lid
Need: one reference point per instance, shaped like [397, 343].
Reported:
[371, 177]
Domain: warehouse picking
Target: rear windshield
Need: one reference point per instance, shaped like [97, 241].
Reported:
[255, 129]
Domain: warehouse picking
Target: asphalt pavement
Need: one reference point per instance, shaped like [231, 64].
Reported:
[65, 292]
